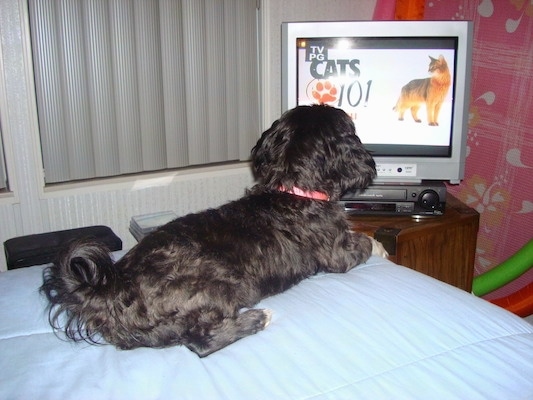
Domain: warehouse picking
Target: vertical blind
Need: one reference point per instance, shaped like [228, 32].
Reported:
[3, 175]
[126, 86]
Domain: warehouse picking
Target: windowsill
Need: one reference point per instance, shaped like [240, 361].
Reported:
[7, 197]
[145, 180]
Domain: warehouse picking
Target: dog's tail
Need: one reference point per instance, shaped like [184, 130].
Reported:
[80, 280]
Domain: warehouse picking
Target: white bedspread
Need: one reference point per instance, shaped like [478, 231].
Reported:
[378, 332]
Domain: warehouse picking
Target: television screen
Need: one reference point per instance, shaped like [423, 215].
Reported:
[405, 84]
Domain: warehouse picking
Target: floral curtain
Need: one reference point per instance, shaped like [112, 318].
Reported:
[499, 168]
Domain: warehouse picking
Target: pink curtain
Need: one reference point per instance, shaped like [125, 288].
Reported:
[399, 10]
[499, 166]
[384, 10]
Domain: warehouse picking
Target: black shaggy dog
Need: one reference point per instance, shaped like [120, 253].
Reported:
[188, 282]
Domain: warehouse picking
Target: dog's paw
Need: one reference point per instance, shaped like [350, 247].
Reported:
[255, 320]
[268, 317]
[378, 249]
[222, 333]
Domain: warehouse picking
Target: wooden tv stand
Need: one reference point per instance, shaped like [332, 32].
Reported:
[443, 247]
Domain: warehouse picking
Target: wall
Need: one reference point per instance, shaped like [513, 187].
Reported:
[30, 208]
[278, 11]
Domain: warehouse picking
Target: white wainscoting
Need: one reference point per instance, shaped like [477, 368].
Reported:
[114, 204]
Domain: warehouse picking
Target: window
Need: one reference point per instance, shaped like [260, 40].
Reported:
[131, 86]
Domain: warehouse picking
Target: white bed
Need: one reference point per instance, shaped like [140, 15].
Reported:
[380, 331]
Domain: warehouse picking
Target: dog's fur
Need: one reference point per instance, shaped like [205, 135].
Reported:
[189, 281]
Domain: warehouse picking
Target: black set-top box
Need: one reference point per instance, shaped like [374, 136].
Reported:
[42, 248]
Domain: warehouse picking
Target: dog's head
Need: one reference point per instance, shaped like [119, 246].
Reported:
[314, 148]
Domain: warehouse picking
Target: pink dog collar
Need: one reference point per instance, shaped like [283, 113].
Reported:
[304, 193]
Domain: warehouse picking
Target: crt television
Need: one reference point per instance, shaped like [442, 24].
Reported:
[406, 84]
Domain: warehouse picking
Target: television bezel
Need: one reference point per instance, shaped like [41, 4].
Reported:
[396, 168]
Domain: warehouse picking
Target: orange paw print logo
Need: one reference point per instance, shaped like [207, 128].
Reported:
[324, 92]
